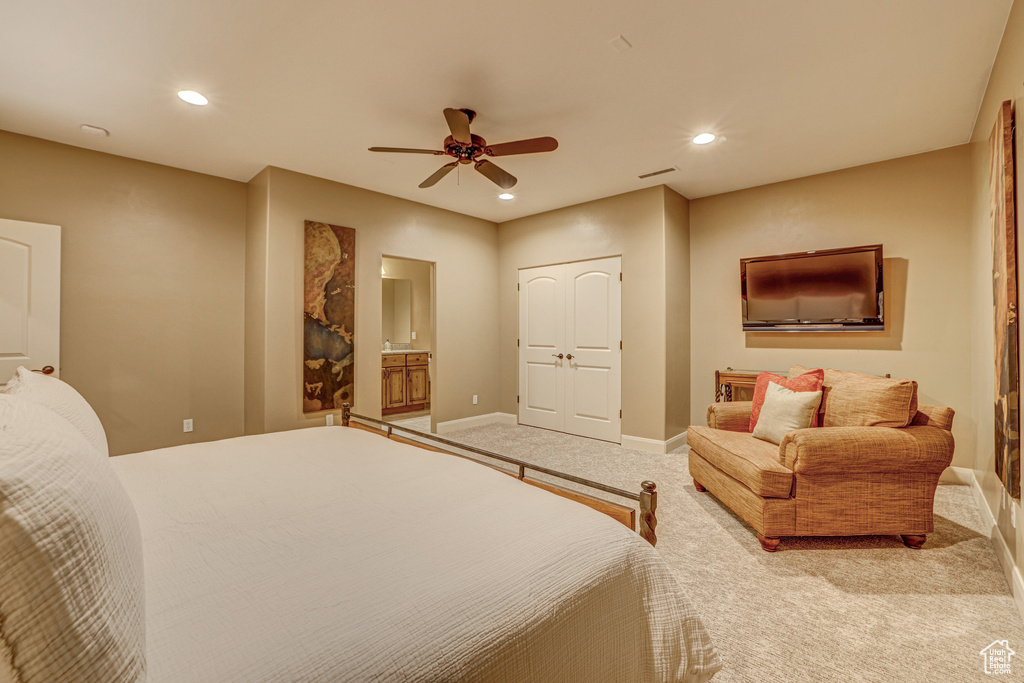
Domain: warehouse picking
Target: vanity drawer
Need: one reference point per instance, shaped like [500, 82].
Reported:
[416, 358]
[395, 360]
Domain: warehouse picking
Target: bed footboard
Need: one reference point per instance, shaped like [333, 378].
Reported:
[648, 496]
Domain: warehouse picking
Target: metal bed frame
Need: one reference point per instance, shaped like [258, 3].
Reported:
[647, 497]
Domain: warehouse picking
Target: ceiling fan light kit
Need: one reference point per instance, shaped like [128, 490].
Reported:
[467, 148]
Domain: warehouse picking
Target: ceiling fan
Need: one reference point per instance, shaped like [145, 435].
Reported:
[467, 148]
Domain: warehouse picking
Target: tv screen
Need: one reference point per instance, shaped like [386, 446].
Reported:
[834, 289]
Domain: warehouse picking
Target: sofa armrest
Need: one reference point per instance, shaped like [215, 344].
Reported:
[934, 416]
[733, 416]
[851, 450]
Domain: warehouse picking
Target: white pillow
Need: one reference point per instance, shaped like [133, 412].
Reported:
[61, 398]
[785, 410]
[71, 592]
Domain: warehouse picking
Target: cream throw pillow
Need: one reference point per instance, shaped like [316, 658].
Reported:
[71, 575]
[785, 410]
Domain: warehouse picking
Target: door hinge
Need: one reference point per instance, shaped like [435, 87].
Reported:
[620, 414]
[517, 342]
[620, 276]
[517, 399]
[620, 345]
[517, 286]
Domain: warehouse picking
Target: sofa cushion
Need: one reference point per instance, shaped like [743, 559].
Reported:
[752, 462]
[809, 381]
[854, 399]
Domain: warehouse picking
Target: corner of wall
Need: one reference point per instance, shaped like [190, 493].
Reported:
[256, 232]
[677, 312]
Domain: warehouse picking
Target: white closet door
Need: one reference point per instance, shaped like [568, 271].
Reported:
[541, 340]
[574, 311]
[29, 296]
[593, 376]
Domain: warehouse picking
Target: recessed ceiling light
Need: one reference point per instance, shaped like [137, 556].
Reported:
[506, 196]
[704, 138]
[192, 97]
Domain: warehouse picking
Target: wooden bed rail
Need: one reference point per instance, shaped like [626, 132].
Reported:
[647, 497]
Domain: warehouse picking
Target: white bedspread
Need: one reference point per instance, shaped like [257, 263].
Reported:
[334, 554]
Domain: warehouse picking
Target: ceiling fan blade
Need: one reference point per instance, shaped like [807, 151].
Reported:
[438, 174]
[530, 146]
[458, 123]
[405, 150]
[496, 174]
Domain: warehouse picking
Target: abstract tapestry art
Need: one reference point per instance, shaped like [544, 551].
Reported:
[1002, 185]
[328, 317]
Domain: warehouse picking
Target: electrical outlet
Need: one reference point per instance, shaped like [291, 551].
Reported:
[475, 400]
[330, 419]
[188, 425]
[414, 336]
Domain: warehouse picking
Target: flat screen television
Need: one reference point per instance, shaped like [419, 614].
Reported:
[814, 291]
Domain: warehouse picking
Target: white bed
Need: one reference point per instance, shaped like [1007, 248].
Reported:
[335, 554]
[328, 554]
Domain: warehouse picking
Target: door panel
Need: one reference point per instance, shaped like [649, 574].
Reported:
[591, 400]
[394, 382]
[542, 335]
[417, 384]
[542, 329]
[29, 296]
[593, 383]
[572, 309]
[591, 297]
[541, 391]
[14, 283]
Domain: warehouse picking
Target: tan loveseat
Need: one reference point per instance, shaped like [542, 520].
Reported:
[830, 480]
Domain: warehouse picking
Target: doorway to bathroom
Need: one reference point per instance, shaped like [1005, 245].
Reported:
[407, 341]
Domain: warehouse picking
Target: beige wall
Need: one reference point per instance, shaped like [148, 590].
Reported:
[917, 207]
[631, 225]
[1005, 83]
[465, 252]
[419, 275]
[152, 279]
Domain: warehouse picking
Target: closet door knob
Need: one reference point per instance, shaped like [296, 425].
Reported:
[568, 356]
[557, 355]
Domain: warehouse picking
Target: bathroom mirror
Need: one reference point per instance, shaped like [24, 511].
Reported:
[396, 311]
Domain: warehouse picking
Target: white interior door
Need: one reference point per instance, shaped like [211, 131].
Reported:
[541, 341]
[593, 330]
[29, 296]
[570, 371]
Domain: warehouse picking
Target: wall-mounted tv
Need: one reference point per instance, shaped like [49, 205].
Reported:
[813, 291]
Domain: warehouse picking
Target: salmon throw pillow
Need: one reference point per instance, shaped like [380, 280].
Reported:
[809, 381]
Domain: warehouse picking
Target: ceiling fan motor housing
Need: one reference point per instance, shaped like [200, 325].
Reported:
[466, 154]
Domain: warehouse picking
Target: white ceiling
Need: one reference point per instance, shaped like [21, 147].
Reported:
[792, 87]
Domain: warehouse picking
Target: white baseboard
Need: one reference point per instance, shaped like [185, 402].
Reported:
[475, 421]
[957, 475]
[1006, 560]
[639, 443]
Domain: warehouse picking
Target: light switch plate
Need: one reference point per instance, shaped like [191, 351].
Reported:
[188, 425]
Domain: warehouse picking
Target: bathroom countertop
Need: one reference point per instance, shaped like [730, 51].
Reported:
[397, 351]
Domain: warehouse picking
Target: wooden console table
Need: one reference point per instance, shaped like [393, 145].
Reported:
[726, 379]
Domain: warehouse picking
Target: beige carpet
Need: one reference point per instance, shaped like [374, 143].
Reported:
[821, 609]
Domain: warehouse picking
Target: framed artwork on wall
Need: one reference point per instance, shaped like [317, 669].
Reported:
[1002, 185]
[328, 317]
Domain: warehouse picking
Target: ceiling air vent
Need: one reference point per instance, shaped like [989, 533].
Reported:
[654, 173]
